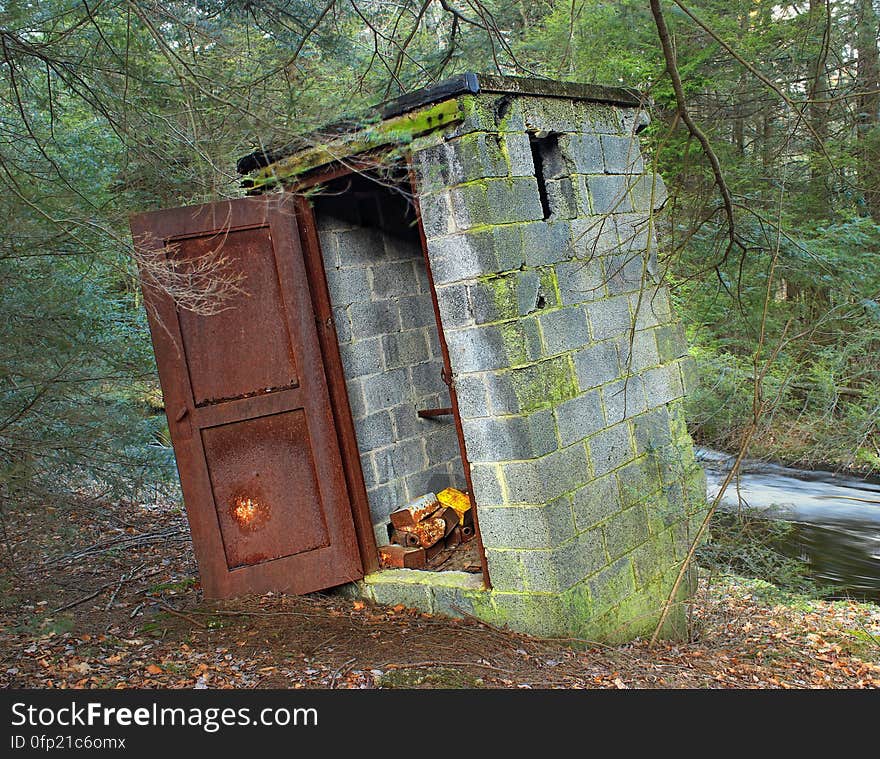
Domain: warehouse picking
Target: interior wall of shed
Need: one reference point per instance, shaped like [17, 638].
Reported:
[388, 341]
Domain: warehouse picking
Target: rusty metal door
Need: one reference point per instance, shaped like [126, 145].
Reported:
[247, 401]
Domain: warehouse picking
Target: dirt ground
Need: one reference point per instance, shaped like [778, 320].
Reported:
[95, 596]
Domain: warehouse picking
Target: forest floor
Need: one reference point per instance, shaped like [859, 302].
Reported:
[94, 597]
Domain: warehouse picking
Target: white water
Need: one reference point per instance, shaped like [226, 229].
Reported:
[837, 517]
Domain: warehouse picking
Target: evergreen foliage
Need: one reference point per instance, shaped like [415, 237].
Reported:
[113, 107]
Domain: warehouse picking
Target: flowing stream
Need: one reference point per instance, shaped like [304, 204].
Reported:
[836, 517]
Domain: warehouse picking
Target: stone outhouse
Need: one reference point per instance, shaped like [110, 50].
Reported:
[482, 261]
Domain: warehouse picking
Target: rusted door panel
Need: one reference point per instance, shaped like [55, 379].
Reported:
[265, 356]
[255, 465]
[247, 405]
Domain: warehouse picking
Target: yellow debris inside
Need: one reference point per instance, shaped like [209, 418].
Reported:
[455, 499]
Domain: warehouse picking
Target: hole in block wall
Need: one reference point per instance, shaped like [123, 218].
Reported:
[548, 160]
[392, 360]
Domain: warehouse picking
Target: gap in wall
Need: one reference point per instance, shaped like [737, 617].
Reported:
[389, 345]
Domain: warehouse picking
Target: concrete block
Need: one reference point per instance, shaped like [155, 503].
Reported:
[374, 431]
[474, 156]
[516, 148]
[501, 392]
[582, 153]
[403, 349]
[581, 281]
[432, 480]
[596, 501]
[496, 201]
[615, 582]
[360, 247]
[542, 526]
[411, 595]
[622, 155]
[393, 279]
[347, 286]
[476, 349]
[386, 390]
[509, 438]
[563, 198]
[406, 422]
[416, 311]
[593, 236]
[639, 480]
[454, 602]
[506, 569]
[372, 318]
[356, 400]
[596, 365]
[470, 206]
[455, 308]
[540, 570]
[368, 469]
[690, 377]
[549, 115]
[546, 478]
[608, 194]
[610, 449]
[635, 231]
[362, 357]
[522, 341]
[609, 318]
[436, 212]
[564, 329]
[385, 498]
[623, 399]
[652, 308]
[441, 444]
[431, 169]
[651, 430]
[662, 385]
[596, 118]
[628, 271]
[342, 324]
[427, 379]
[461, 257]
[470, 391]
[504, 242]
[508, 296]
[671, 342]
[625, 530]
[638, 351]
[399, 460]
[402, 242]
[327, 243]
[513, 200]
[579, 417]
[486, 481]
[544, 243]
[579, 558]
[648, 192]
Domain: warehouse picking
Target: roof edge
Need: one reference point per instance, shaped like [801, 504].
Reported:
[469, 83]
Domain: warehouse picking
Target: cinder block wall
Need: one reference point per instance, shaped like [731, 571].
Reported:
[569, 365]
[389, 346]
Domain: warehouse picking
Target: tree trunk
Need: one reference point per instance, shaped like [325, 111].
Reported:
[816, 113]
[868, 106]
